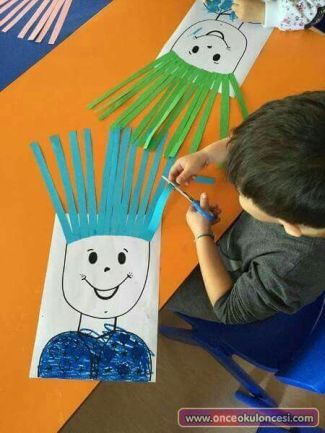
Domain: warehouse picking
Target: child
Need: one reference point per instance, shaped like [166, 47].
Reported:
[284, 14]
[273, 257]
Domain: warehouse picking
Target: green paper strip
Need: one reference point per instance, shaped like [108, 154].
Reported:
[158, 62]
[203, 84]
[238, 95]
[143, 101]
[224, 117]
[113, 104]
[174, 106]
[205, 116]
[171, 119]
[163, 117]
[149, 119]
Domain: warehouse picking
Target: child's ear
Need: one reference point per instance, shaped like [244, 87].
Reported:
[291, 229]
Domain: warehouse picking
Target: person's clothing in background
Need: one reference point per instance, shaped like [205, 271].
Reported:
[293, 14]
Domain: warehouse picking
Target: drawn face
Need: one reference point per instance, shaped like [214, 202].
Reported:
[104, 276]
[211, 45]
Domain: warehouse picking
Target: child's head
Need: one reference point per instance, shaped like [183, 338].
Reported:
[277, 163]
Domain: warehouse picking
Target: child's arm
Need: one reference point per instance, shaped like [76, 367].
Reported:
[284, 14]
[272, 283]
[188, 166]
[216, 279]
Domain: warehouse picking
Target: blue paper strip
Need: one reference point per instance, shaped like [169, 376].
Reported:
[119, 181]
[80, 183]
[91, 190]
[126, 195]
[53, 193]
[205, 179]
[160, 188]
[109, 177]
[151, 179]
[159, 209]
[138, 188]
[65, 177]
[18, 55]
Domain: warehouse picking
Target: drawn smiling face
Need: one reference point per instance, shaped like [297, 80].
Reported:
[104, 276]
[214, 46]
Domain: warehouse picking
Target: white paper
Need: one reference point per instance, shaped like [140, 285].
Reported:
[120, 280]
[222, 45]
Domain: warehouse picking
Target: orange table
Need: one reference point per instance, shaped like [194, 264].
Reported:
[50, 98]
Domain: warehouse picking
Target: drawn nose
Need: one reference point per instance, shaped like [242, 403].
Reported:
[107, 269]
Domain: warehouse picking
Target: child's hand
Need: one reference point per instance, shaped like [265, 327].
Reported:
[187, 167]
[249, 10]
[197, 223]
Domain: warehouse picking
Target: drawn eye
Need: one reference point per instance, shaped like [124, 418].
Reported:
[92, 258]
[216, 57]
[121, 258]
[195, 49]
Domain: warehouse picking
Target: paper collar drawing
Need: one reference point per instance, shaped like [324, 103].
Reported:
[107, 256]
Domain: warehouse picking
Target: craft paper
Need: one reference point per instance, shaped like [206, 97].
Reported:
[246, 40]
[98, 317]
[17, 52]
[208, 54]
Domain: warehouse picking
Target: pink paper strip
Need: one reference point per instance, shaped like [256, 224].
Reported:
[43, 20]
[8, 5]
[2, 2]
[50, 20]
[13, 12]
[60, 21]
[19, 16]
[32, 20]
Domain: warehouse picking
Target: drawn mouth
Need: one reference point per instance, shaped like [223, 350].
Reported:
[215, 33]
[105, 294]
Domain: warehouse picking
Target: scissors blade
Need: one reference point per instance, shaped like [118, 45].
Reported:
[178, 189]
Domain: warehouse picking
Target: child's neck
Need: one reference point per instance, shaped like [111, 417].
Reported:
[96, 325]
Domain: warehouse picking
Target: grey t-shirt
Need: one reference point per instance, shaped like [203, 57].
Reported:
[271, 271]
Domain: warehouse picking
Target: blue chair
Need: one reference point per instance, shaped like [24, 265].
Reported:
[290, 346]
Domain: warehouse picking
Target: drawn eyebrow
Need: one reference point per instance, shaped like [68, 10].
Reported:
[197, 31]
[125, 250]
[90, 249]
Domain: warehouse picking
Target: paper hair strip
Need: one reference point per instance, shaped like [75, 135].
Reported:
[177, 91]
[46, 16]
[128, 204]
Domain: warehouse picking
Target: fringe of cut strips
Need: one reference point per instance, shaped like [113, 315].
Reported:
[176, 91]
[130, 202]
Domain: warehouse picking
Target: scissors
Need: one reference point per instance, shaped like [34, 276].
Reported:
[195, 203]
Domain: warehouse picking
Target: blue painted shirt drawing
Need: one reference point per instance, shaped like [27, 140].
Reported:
[116, 355]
